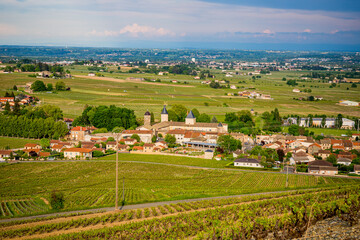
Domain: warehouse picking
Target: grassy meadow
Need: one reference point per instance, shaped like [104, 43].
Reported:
[13, 142]
[142, 96]
[91, 184]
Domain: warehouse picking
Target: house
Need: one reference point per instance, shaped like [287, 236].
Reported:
[128, 141]
[325, 143]
[348, 103]
[5, 154]
[355, 136]
[88, 145]
[68, 122]
[314, 148]
[78, 133]
[44, 155]
[3, 100]
[219, 157]
[344, 161]
[54, 142]
[247, 162]
[237, 153]
[322, 167]
[356, 145]
[32, 146]
[148, 147]
[348, 145]
[324, 153]
[82, 153]
[57, 148]
[145, 135]
[301, 157]
[209, 154]
[91, 74]
[295, 90]
[138, 148]
[357, 169]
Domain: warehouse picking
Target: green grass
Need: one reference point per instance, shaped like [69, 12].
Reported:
[141, 97]
[13, 142]
[91, 184]
[325, 131]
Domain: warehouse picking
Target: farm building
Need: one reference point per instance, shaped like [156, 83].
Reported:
[247, 162]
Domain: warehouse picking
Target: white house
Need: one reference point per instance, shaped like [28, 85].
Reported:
[247, 162]
[82, 153]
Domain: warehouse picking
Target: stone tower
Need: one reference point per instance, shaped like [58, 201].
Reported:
[147, 118]
[190, 119]
[164, 115]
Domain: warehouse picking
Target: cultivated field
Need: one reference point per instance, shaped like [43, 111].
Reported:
[142, 96]
[286, 215]
[13, 142]
[90, 184]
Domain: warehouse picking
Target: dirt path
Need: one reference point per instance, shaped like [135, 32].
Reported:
[114, 224]
[122, 81]
[45, 201]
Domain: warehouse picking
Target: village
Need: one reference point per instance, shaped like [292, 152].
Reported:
[202, 140]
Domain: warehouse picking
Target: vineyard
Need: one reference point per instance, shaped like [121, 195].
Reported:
[25, 187]
[284, 215]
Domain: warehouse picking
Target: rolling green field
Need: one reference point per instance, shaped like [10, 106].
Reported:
[142, 96]
[15, 142]
[325, 131]
[91, 184]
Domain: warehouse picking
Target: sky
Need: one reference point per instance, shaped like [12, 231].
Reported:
[258, 24]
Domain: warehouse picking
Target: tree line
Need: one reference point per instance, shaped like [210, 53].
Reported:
[21, 126]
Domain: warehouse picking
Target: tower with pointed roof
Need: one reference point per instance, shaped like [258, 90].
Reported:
[147, 118]
[190, 119]
[164, 115]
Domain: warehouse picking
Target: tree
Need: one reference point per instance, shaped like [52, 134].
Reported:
[7, 107]
[331, 159]
[310, 120]
[203, 118]
[45, 143]
[180, 111]
[60, 86]
[49, 87]
[170, 139]
[196, 112]
[338, 121]
[16, 110]
[153, 139]
[228, 143]
[354, 85]
[280, 154]
[38, 86]
[214, 84]
[57, 200]
[294, 130]
[214, 120]
[323, 122]
[152, 118]
[135, 136]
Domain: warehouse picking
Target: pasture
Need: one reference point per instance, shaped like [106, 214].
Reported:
[91, 184]
[13, 142]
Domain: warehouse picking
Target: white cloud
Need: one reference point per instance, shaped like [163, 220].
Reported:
[7, 30]
[135, 30]
[268, 31]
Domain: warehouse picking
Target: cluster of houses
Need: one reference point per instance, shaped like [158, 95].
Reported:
[305, 150]
[22, 100]
[253, 94]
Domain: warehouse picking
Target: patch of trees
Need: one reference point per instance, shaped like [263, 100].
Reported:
[228, 143]
[39, 86]
[240, 122]
[296, 130]
[291, 82]
[273, 121]
[107, 117]
[178, 113]
[44, 112]
[21, 126]
[214, 84]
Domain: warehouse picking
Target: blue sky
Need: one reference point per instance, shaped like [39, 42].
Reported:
[182, 23]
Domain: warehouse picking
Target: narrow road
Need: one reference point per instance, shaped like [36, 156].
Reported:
[142, 205]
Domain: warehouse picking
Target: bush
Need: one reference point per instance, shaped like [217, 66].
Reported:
[57, 200]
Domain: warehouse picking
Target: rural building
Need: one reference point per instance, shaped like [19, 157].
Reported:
[145, 135]
[322, 167]
[324, 153]
[344, 161]
[148, 147]
[82, 153]
[209, 154]
[5, 154]
[190, 124]
[78, 133]
[348, 103]
[247, 162]
[357, 169]
[32, 146]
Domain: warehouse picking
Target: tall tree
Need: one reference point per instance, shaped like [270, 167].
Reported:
[214, 120]
[339, 121]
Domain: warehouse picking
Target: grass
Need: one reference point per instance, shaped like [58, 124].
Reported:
[91, 184]
[325, 131]
[141, 97]
[13, 142]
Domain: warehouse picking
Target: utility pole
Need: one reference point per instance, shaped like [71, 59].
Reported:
[287, 176]
[117, 175]
[123, 193]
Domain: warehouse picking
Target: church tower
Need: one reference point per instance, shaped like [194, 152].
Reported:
[190, 119]
[164, 115]
[147, 118]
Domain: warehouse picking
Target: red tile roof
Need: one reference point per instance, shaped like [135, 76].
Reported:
[83, 150]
